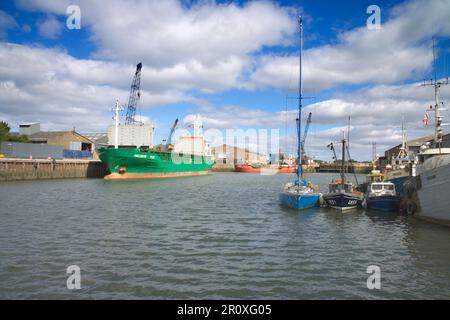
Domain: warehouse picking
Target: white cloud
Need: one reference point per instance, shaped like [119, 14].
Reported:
[207, 45]
[47, 85]
[50, 27]
[400, 50]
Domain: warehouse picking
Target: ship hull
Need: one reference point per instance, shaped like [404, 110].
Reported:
[342, 201]
[434, 195]
[287, 169]
[384, 203]
[136, 164]
[265, 170]
[136, 176]
[299, 201]
[399, 183]
[247, 169]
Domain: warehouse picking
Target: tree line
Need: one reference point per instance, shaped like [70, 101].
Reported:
[5, 134]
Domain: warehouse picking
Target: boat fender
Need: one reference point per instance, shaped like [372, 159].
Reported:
[364, 203]
[410, 208]
[321, 200]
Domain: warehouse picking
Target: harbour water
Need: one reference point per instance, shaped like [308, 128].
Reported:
[220, 236]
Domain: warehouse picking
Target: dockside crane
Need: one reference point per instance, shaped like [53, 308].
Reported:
[134, 97]
[169, 145]
[331, 146]
[305, 134]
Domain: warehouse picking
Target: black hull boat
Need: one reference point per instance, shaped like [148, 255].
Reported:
[342, 194]
[343, 201]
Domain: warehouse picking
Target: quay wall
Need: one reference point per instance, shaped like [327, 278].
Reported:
[355, 168]
[27, 169]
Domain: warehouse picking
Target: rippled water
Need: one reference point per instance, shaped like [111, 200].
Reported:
[218, 236]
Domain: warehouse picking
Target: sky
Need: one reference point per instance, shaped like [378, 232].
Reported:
[234, 63]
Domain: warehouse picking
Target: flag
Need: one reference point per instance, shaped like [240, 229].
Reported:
[426, 119]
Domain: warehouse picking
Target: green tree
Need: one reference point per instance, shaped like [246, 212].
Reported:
[21, 138]
[6, 136]
[4, 131]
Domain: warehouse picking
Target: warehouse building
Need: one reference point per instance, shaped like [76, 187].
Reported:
[69, 140]
[226, 154]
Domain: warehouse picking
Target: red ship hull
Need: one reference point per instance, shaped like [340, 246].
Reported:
[288, 169]
[247, 169]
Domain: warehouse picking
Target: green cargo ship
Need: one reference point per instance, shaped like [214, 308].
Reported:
[144, 163]
[132, 158]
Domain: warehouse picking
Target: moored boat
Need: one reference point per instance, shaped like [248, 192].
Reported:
[144, 163]
[427, 194]
[287, 169]
[299, 194]
[247, 168]
[300, 197]
[381, 196]
[132, 155]
[342, 195]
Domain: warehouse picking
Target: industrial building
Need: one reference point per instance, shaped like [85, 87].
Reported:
[226, 154]
[48, 144]
[69, 140]
[29, 128]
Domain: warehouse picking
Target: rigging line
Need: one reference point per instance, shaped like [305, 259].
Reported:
[351, 163]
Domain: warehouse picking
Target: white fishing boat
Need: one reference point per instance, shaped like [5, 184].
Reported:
[428, 191]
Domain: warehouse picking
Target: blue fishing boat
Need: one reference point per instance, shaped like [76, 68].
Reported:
[382, 196]
[300, 194]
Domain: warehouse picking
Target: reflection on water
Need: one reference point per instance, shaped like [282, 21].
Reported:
[218, 236]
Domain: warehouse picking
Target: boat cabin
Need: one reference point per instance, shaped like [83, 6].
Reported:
[375, 176]
[336, 186]
[381, 188]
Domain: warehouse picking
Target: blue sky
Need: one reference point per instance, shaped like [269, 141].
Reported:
[233, 62]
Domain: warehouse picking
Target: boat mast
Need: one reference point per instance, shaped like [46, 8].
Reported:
[403, 153]
[343, 160]
[438, 133]
[299, 160]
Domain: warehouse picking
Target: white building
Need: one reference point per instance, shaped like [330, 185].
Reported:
[135, 135]
[29, 128]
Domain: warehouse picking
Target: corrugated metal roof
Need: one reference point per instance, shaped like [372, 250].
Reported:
[41, 135]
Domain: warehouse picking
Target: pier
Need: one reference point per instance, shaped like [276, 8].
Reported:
[28, 169]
